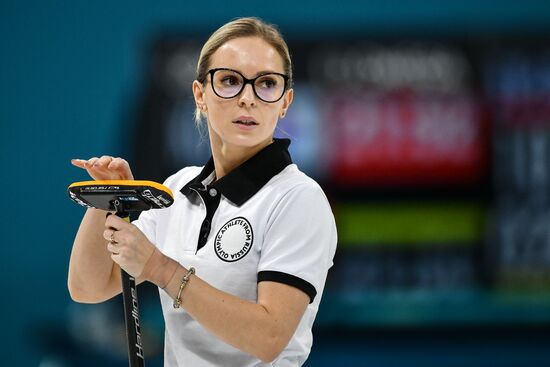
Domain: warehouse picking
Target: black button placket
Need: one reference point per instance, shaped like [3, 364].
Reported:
[211, 198]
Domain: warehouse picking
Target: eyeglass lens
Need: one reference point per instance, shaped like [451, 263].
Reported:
[228, 84]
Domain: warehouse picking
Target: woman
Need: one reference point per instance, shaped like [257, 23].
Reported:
[242, 255]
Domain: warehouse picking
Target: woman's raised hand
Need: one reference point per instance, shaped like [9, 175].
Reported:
[105, 168]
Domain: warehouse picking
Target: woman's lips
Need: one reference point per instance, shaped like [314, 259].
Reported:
[245, 122]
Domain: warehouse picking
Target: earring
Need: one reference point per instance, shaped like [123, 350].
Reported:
[282, 115]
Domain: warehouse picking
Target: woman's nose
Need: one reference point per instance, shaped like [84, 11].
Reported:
[247, 96]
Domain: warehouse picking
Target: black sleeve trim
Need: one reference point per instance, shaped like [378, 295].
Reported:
[279, 277]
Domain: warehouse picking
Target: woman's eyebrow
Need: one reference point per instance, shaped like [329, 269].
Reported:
[265, 72]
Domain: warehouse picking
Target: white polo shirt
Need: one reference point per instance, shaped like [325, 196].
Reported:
[265, 220]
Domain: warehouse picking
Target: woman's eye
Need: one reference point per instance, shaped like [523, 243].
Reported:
[267, 83]
[230, 80]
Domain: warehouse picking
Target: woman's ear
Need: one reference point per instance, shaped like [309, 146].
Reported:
[287, 101]
[198, 94]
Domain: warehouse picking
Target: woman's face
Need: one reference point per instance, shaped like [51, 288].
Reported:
[251, 56]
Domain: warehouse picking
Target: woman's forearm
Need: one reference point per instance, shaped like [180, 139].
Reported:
[91, 269]
[248, 326]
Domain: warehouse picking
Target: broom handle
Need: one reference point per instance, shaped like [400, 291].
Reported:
[131, 311]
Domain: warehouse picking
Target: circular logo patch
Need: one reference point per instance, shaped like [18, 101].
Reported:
[234, 240]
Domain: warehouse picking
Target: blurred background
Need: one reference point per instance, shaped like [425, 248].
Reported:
[426, 122]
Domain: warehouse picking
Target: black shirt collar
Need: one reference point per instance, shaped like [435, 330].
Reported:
[247, 179]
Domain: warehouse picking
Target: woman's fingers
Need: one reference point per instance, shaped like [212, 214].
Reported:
[112, 248]
[115, 223]
[91, 162]
[128, 246]
[109, 235]
[81, 163]
[114, 163]
[103, 162]
[88, 165]
[105, 168]
[121, 166]
[117, 163]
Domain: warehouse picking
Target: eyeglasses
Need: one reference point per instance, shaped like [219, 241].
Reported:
[228, 83]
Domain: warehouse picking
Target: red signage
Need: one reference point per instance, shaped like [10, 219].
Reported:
[405, 138]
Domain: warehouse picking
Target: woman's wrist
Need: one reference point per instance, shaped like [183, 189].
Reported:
[159, 269]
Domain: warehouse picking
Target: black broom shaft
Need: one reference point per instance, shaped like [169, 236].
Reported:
[131, 315]
[131, 308]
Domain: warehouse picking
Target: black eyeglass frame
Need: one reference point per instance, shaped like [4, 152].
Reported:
[246, 81]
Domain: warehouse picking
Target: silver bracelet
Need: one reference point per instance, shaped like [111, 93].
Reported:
[184, 281]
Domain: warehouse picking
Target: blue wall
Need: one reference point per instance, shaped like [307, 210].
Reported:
[69, 76]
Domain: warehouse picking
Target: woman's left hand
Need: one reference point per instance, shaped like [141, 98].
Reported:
[130, 249]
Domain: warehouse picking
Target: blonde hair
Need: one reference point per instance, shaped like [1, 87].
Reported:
[237, 28]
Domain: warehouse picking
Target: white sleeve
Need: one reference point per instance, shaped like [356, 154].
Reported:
[300, 241]
[147, 223]
[147, 220]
